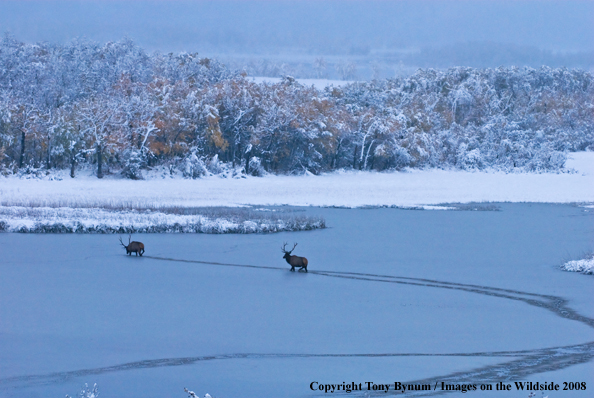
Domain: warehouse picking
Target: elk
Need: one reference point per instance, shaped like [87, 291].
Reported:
[137, 247]
[294, 261]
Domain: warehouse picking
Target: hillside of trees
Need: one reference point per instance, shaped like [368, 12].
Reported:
[118, 109]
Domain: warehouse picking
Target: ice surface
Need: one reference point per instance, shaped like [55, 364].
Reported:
[76, 310]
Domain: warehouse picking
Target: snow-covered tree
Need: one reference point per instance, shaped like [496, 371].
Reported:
[115, 106]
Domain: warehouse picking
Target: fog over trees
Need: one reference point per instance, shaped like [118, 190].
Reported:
[119, 109]
[358, 40]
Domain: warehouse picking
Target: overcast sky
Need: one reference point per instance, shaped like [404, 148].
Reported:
[263, 27]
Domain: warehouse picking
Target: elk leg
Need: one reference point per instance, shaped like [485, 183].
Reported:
[293, 268]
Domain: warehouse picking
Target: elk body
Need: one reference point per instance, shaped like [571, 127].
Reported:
[136, 247]
[294, 261]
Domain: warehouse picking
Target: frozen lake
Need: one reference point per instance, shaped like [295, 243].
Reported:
[392, 295]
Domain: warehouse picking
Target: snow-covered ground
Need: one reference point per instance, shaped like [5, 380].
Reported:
[345, 189]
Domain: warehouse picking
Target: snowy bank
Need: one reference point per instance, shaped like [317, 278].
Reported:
[348, 189]
[105, 221]
[585, 266]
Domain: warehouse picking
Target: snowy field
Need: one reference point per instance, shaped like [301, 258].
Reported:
[391, 295]
[348, 189]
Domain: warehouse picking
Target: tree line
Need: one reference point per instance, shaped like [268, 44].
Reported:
[118, 109]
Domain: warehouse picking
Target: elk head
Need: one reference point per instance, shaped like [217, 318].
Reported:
[294, 261]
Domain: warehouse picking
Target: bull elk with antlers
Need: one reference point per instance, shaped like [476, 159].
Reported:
[294, 261]
[137, 247]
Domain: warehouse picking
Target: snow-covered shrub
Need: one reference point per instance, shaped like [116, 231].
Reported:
[214, 165]
[3, 169]
[192, 394]
[402, 158]
[193, 166]
[585, 266]
[546, 159]
[133, 162]
[87, 392]
[469, 159]
[255, 167]
[30, 171]
[395, 156]
[8, 170]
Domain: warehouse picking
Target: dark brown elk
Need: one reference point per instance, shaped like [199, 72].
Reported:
[136, 247]
[294, 261]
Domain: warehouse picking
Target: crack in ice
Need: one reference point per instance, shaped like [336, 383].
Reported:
[529, 361]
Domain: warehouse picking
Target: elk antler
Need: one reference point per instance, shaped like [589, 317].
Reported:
[122, 243]
[285, 251]
[129, 238]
